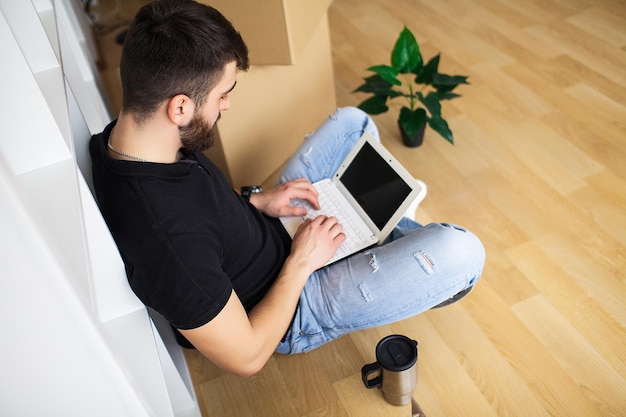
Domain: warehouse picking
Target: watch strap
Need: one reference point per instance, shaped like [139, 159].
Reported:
[248, 190]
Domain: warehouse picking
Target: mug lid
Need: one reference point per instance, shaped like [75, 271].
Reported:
[396, 353]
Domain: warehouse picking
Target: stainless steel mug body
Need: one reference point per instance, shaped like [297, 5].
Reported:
[398, 386]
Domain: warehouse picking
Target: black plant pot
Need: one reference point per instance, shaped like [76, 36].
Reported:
[415, 141]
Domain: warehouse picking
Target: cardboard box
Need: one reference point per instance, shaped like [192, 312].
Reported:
[272, 109]
[276, 31]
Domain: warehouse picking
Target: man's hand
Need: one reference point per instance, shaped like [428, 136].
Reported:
[276, 202]
[316, 241]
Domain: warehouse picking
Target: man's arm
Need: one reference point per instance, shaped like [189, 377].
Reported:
[242, 344]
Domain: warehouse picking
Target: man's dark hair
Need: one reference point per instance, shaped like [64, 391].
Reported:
[176, 47]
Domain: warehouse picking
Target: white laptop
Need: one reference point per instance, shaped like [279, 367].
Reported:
[369, 193]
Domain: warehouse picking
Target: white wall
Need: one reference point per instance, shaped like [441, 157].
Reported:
[75, 339]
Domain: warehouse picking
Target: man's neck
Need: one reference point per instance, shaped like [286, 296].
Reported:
[154, 141]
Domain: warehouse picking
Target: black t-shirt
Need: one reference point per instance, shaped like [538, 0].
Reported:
[186, 237]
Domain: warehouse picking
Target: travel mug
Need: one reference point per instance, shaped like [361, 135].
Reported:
[396, 369]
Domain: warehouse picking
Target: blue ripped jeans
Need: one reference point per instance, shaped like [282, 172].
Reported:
[417, 267]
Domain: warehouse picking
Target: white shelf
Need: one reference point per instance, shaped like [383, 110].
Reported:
[26, 25]
[30, 134]
[52, 198]
[52, 346]
[79, 336]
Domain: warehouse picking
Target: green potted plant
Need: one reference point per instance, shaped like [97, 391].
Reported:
[418, 83]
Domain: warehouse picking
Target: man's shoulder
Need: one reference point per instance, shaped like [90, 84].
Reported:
[96, 142]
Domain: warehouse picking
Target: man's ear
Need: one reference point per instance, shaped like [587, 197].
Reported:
[180, 109]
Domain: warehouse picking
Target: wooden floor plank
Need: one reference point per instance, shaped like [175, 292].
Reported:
[597, 379]
[562, 290]
[531, 360]
[595, 263]
[602, 24]
[583, 47]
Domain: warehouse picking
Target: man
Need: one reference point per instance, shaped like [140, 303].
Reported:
[219, 266]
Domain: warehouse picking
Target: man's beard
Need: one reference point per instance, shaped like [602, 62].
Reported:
[198, 135]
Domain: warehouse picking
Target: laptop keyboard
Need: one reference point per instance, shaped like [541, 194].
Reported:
[358, 235]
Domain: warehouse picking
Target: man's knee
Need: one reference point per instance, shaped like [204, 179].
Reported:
[467, 247]
[355, 120]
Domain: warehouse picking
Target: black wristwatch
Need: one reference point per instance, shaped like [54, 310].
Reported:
[247, 190]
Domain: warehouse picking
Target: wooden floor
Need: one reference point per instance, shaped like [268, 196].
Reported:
[538, 172]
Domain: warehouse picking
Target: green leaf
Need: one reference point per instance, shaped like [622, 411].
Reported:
[412, 121]
[445, 83]
[428, 71]
[445, 79]
[431, 101]
[406, 56]
[386, 73]
[448, 96]
[441, 126]
[375, 85]
[374, 105]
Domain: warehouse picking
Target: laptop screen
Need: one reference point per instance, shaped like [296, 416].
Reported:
[375, 185]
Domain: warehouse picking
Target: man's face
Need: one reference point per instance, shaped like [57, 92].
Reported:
[199, 134]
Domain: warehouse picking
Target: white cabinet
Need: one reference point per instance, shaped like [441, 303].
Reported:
[76, 341]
